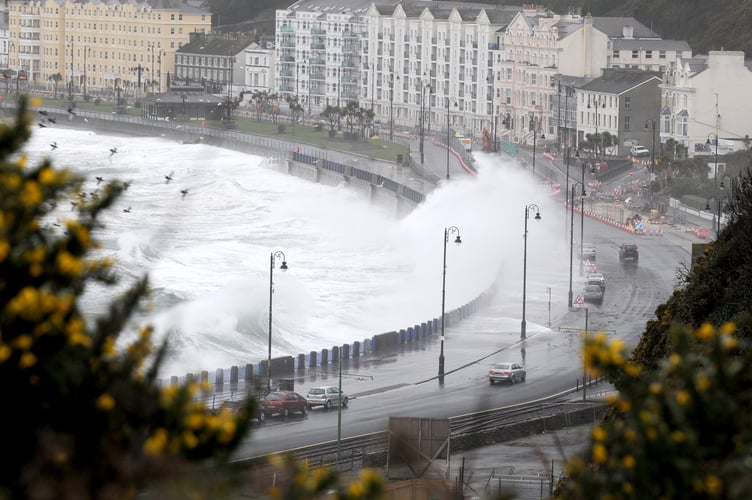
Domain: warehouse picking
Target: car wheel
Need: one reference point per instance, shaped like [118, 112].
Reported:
[491, 381]
[513, 380]
[262, 417]
[305, 410]
[524, 376]
[285, 412]
[310, 407]
[328, 404]
[344, 402]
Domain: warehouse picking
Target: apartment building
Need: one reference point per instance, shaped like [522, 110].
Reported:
[705, 104]
[403, 60]
[95, 47]
[216, 62]
[259, 66]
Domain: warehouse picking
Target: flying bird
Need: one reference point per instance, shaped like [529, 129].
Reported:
[126, 185]
[113, 151]
[127, 210]
[71, 112]
[168, 178]
[52, 120]
[42, 125]
[184, 192]
[42, 112]
[99, 180]
[53, 146]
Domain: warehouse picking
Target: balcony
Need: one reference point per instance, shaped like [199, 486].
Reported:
[318, 75]
[318, 31]
[318, 46]
[287, 43]
[285, 28]
[317, 60]
[286, 88]
[286, 72]
[288, 58]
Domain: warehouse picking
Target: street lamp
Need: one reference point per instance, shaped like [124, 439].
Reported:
[274, 255]
[652, 159]
[391, 105]
[532, 206]
[598, 104]
[70, 90]
[718, 204]
[717, 223]
[582, 219]
[571, 237]
[447, 231]
[448, 147]
[534, 126]
[423, 116]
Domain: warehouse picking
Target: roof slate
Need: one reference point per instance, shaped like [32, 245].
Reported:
[619, 80]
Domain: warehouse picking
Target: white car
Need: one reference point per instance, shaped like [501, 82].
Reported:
[639, 151]
[326, 396]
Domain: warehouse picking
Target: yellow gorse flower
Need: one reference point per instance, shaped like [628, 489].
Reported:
[105, 402]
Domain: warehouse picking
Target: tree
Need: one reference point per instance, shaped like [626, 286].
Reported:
[84, 416]
[56, 79]
[331, 115]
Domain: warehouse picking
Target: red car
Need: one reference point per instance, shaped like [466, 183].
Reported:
[283, 403]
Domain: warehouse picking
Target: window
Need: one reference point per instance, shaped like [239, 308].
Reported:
[662, 54]
[648, 54]
[533, 79]
[666, 124]
[615, 54]
[681, 125]
[627, 123]
[627, 103]
[635, 54]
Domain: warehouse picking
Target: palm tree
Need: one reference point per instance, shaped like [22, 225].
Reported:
[56, 78]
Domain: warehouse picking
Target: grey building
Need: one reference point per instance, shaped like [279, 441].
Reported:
[623, 103]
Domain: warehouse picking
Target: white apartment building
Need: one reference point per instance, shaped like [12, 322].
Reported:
[705, 101]
[403, 60]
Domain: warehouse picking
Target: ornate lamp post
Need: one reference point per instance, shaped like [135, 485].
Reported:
[532, 206]
[447, 231]
[422, 117]
[274, 255]
[449, 137]
[582, 220]
[391, 105]
[571, 237]
[652, 159]
[534, 126]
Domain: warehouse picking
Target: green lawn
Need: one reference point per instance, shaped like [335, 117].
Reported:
[304, 134]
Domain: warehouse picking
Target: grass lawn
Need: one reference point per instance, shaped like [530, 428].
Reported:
[303, 134]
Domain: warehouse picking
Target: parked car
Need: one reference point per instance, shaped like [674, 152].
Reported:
[587, 252]
[593, 293]
[235, 406]
[283, 403]
[506, 372]
[638, 150]
[629, 251]
[596, 279]
[326, 396]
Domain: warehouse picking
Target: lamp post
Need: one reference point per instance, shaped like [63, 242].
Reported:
[70, 90]
[718, 204]
[339, 87]
[423, 117]
[391, 105]
[571, 237]
[582, 220]
[274, 255]
[532, 206]
[448, 147]
[152, 67]
[447, 231]
[534, 127]
[652, 159]
[339, 407]
[598, 104]
[85, 51]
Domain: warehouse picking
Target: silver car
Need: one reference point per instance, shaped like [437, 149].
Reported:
[326, 396]
[506, 372]
[588, 251]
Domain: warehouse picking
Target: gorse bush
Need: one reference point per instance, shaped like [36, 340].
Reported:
[682, 430]
[82, 418]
